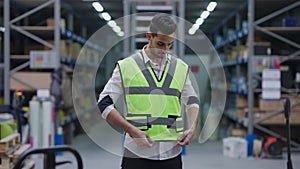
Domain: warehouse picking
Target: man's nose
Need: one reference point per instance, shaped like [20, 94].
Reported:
[165, 48]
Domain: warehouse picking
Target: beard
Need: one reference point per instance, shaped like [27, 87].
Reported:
[158, 53]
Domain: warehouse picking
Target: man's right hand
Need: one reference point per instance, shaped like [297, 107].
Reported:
[141, 138]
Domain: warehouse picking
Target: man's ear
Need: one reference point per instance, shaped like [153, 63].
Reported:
[148, 35]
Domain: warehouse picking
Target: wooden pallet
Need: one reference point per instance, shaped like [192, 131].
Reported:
[10, 151]
[9, 144]
[29, 165]
[18, 152]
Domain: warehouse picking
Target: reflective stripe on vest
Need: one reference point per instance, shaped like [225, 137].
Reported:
[154, 105]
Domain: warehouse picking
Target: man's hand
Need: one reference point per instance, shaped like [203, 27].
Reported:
[141, 138]
[186, 138]
[192, 118]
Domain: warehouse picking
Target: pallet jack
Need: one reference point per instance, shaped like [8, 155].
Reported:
[48, 152]
[49, 156]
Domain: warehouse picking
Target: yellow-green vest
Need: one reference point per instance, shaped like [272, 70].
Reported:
[154, 105]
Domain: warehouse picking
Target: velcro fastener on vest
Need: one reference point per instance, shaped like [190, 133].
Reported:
[146, 121]
[152, 90]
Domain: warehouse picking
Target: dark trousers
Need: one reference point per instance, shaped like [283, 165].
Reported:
[141, 163]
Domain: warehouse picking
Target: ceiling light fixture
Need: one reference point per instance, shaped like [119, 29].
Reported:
[112, 24]
[117, 29]
[106, 16]
[211, 6]
[121, 33]
[98, 7]
[199, 21]
[192, 31]
[195, 26]
[2, 29]
[204, 14]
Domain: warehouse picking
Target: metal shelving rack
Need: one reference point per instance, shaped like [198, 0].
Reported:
[271, 31]
[253, 26]
[42, 34]
[235, 65]
[27, 31]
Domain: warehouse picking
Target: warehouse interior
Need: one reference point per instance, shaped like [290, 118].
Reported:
[57, 55]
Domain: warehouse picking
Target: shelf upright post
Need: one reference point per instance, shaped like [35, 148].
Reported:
[238, 50]
[6, 52]
[250, 64]
[57, 31]
[181, 32]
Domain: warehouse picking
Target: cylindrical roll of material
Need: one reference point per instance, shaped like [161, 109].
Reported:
[257, 147]
[273, 147]
[35, 124]
[47, 124]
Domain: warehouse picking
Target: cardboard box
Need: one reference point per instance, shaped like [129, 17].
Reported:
[40, 80]
[50, 22]
[235, 147]
[75, 50]
[279, 118]
[241, 102]
[32, 46]
[64, 47]
[238, 132]
[266, 105]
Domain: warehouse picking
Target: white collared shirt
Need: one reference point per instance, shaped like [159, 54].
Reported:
[114, 88]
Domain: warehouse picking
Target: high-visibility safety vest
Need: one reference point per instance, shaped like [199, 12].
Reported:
[154, 105]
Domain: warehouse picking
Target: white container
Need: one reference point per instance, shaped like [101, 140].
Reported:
[235, 147]
[41, 124]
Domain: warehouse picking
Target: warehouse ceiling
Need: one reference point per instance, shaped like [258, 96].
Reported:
[85, 13]
[193, 9]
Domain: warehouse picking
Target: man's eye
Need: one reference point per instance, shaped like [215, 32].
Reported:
[160, 44]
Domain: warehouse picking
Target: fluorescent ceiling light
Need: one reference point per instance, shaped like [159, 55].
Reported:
[204, 14]
[121, 33]
[192, 31]
[117, 29]
[2, 29]
[195, 26]
[106, 16]
[112, 23]
[199, 21]
[97, 6]
[211, 6]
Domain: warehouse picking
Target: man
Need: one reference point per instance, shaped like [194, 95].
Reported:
[154, 85]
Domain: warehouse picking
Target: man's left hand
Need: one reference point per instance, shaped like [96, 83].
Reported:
[186, 138]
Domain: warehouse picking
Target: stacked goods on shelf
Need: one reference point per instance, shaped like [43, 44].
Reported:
[75, 50]
[65, 48]
[268, 107]
[40, 80]
[271, 41]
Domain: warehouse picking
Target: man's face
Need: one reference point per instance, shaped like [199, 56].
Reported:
[160, 44]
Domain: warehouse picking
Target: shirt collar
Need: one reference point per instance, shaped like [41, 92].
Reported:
[147, 59]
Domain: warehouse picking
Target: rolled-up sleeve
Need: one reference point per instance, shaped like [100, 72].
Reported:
[110, 94]
[189, 96]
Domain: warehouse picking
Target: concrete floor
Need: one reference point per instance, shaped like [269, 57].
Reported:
[206, 156]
